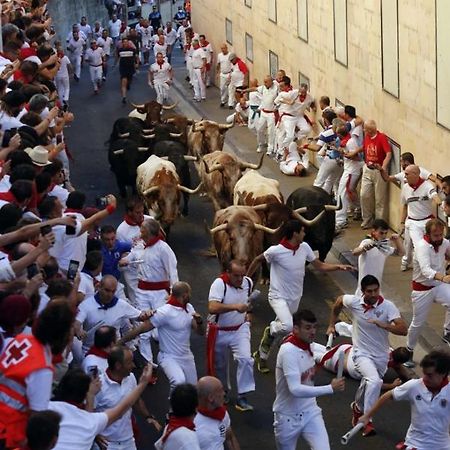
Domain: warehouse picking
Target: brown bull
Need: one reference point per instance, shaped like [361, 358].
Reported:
[206, 137]
[150, 112]
[219, 173]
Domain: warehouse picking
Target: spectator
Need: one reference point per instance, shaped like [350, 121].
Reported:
[43, 430]
[113, 250]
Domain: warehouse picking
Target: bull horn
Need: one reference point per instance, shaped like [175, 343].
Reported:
[167, 107]
[148, 136]
[166, 158]
[266, 229]
[261, 207]
[334, 207]
[226, 126]
[221, 227]
[121, 151]
[213, 168]
[142, 149]
[306, 222]
[170, 120]
[189, 191]
[190, 158]
[138, 106]
[176, 135]
[124, 135]
[151, 190]
[301, 210]
[247, 165]
[149, 130]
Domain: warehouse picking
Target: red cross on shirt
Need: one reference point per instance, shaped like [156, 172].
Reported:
[16, 352]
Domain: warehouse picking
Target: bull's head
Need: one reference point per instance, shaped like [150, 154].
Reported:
[298, 213]
[213, 134]
[152, 110]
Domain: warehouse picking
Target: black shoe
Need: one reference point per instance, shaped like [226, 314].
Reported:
[77, 79]
[222, 105]
[446, 337]
[231, 107]
[187, 79]
[124, 100]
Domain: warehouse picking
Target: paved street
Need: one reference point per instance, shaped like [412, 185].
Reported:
[94, 118]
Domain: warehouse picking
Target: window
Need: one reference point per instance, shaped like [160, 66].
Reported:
[273, 10]
[302, 20]
[303, 79]
[394, 166]
[442, 62]
[340, 31]
[248, 3]
[249, 47]
[229, 31]
[273, 64]
[389, 46]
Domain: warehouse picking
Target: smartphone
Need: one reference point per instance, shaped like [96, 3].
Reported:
[73, 269]
[93, 371]
[46, 229]
[32, 270]
[70, 230]
[7, 135]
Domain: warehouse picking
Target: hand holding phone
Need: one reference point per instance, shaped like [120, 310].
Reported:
[72, 269]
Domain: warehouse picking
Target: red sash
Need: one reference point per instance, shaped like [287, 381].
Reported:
[154, 285]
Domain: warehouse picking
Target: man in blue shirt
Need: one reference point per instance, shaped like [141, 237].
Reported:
[155, 19]
[112, 250]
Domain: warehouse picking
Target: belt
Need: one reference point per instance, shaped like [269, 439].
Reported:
[225, 73]
[232, 328]
[198, 67]
[153, 285]
[425, 218]
[267, 110]
[370, 167]
[416, 286]
[98, 65]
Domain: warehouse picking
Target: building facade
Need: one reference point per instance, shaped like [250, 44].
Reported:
[388, 58]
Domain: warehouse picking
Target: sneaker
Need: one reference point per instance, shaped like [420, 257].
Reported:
[369, 430]
[446, 337]
[366, 226]
[266, 341]
[261, 364]
[410, 364]
[124, 100]
[230, 107]
[259, 150]
[356, 413]
[357, 216]
[404, 267]
[222, 105]
[341, 226]
[104, 78]
[243, 405]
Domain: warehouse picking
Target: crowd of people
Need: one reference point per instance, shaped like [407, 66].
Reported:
[79, 300]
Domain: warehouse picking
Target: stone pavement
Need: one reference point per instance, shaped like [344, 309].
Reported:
[241, 141]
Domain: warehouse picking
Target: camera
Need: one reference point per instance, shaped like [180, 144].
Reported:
[73, 269]
[101, 202]
[46, 229]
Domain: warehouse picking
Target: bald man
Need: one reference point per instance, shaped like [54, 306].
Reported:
[212, 422]
[223, 70]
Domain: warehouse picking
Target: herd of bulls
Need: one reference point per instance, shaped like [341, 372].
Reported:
[151, 155]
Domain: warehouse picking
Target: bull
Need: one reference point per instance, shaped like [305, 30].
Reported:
[206, 137]
[219, 173]
[150, 112]
[159, 185]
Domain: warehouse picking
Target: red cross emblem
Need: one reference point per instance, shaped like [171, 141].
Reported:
[16, 352]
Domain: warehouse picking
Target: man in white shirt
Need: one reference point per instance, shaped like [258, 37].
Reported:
[295, 160]
[160, 78]
[429, 397]
[145, 31]
[429, 281]
[114, 26]
[212, 422]
[295, 408]
[373, 319]
[75, 47]
[207, 48]
[287, 271]
[269, 92]
[199, 62]
[97, 356]
[94, 57]
[170, 37]
[85, 28]
[238, 78]
[160, 45]
[228, 329]
[223, 70]
[106, 43]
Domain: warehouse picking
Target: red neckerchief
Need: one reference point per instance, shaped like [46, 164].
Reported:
[285, 243]
[57, 359]
[174, 302]
[8, 197]
[97, 352]
[177, 422]
[416, 186]
[294, 340]
[152, 241]
[345, 139]
[438, 389]
[288, 88]
[217, 414]
[73, 210]
[160, 66]
[435, 245]
[225, 276]
[302, 97]
[369, 307]
[131, 222]
[206, 44]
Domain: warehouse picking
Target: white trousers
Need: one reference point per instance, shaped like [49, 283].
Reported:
[178, 370]
[286, 132]
[239, 343]
[75, 60]
[224, 81]
[267, 122]
[190, 70]
[328, 173]
[162, 92]
[304, 128]
[372, 372]
[130, 276]
[129, 444]
[421, 303]
[199, 84]
[307, 424]
[63, 88]
[348, 195]
[255, 124]
[414, 232]
[231, 94]
[284, 310]
[96, 75]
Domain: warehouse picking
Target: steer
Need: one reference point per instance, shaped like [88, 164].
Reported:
[206, 136]
[150, 112]
[254, 189]
[219, 173]
[159, 185]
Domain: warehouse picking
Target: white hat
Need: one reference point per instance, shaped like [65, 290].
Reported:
[38, 155]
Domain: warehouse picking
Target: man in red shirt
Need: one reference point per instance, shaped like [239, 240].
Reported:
[377, 152]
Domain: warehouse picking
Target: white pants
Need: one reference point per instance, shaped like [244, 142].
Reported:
[308, 424]
[328, 173]
[414, 232]
[254, 124]
[96, 75]
[224, 81]
[284, 310]
[63, 88]
[162, 92]
[372, 372]
[421, 303]
[348, 195]
[130, 276]
[75, 60]
[129, 444]
[239, 343]
[190, 70]
[199, 84]
[267, 121]
[286, 132]
[178, 370]
[304, 128]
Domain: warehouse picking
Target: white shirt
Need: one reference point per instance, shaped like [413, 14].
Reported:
[174, 329]
[294, 377]
[94, 361]
[237, 77]
[430, 416]
[160, 48]
[198, 55]
[180, 439]
[224, 62]
[114, 28]
[170, 36]
[427, 262]
[78, 427]
[74, 248]
[146, 35]
[105, 44]
[7, 122]
[211, 433]
[400, 176]
[97, 34]
[268, 96]
[3, 63]
[63, 71]
[208, 51]
[85, 29]
[76, 46]
[109, 396]
[131, 234]
[302, 106]
[352, 166]
[287, 270]
[419, 201]
[284, 107]
[60, 249]
[94, 57]
[161, 73]
[368, 339]
[87, 284]
[60, 193]
[226, 294]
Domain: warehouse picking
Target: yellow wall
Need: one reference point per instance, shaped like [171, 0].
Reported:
[410, 120]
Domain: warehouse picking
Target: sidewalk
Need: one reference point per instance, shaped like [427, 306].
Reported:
[239, 140]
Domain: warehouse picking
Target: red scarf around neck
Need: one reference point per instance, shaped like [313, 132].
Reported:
[205, 44]
[288, 88]
[435, 245]
[377, 303]
[294, 340]
[8, 197]
[97, 352]
[174, 302]
[416, 186]
[435, 391]
[131, 222]
[226, 278]
[302, 97]
[216, 414]
[285, 243]
[152, 241]
[175, 423]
